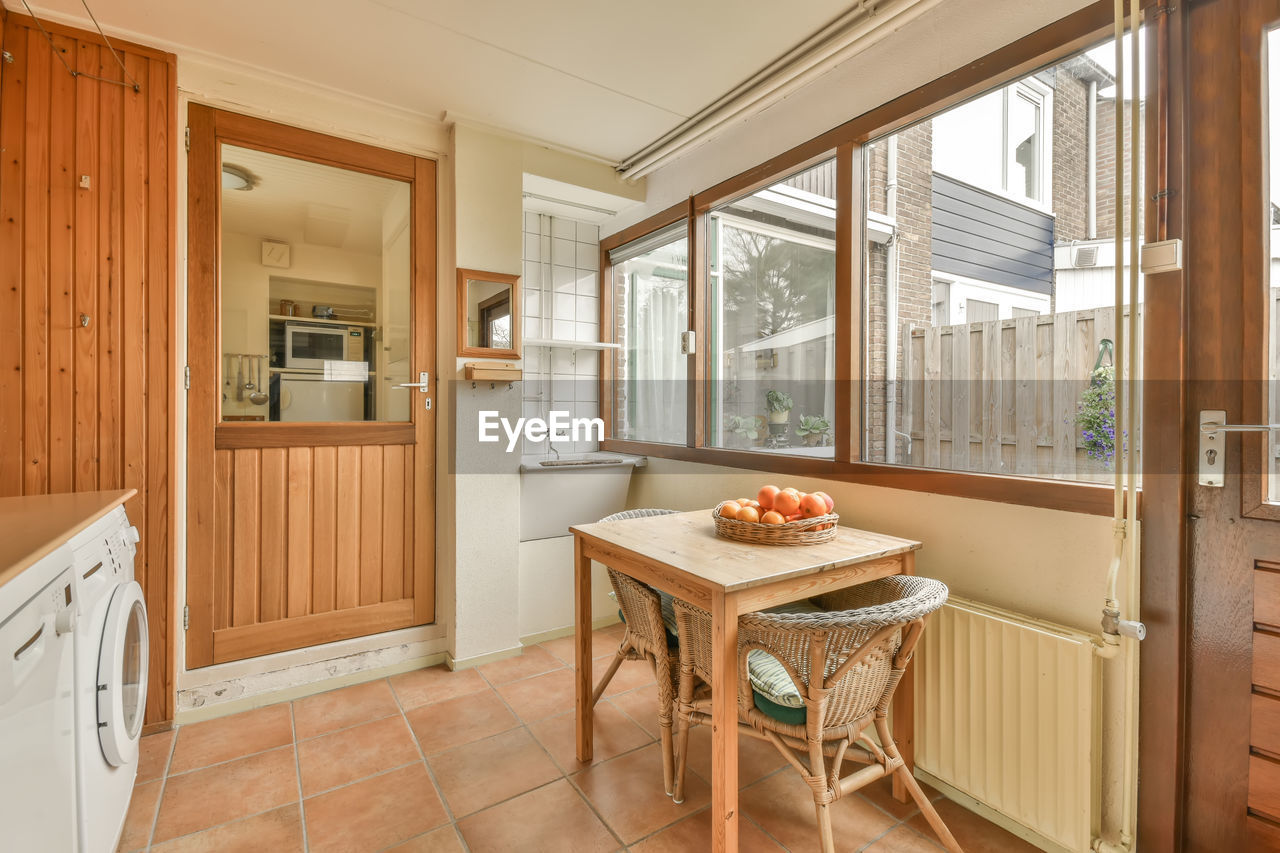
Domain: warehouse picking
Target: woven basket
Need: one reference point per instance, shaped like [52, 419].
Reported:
[802, 531]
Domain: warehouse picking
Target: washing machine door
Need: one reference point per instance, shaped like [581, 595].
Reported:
[122, 675]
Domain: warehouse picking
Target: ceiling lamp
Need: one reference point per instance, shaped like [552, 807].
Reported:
[237, 178]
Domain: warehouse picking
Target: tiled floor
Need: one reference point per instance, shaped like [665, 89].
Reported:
[483, 760]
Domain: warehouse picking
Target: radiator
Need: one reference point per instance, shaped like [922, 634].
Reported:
[1008, 712]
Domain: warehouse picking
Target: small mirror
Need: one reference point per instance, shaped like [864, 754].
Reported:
[488, 314]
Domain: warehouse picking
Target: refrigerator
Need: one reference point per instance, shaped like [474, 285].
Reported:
[310, 398]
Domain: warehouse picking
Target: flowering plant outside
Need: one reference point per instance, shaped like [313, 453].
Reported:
[1096, 415]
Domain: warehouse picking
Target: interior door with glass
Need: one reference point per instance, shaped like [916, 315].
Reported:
[1232, 757]
[311, 437]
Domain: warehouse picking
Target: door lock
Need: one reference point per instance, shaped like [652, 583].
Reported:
[423, 384]
[1213, 438]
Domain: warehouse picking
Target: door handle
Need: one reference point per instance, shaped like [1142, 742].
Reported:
[423, 383]
[1213, 450]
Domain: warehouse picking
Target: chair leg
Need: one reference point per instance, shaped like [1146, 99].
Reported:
[681, 755]
[668, 759]
[608, 675]
[913, 787]
[824, 827]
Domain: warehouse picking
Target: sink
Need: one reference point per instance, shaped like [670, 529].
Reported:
[579, 489]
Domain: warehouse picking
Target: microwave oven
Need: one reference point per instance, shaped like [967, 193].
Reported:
[307, 345]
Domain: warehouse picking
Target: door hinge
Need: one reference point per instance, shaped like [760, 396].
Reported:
[186, 377]
[186, 617]
[186, 137]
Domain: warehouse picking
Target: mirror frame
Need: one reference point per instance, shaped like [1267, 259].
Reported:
[465, 349]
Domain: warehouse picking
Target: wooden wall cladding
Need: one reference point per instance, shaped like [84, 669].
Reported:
[87, 231]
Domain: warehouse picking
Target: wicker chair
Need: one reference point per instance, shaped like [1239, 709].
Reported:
[646, 638]
[859, 640]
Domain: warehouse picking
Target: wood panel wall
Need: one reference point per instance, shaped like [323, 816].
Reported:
[86, 288]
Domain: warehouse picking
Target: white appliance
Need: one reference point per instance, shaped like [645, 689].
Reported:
[37, 708]
[311, 398]
[311, 345]
[110, 677]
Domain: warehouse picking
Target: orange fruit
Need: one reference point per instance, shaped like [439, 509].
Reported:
[766, 495]
[831, 504]
[744, 501]
[787, 502]
[793, 517]
[772, 517]
[749, 513]
[812, 506]
[729, 509]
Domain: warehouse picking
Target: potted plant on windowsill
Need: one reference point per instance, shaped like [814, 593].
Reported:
[779, 404]
[814, 430]
[743, 431]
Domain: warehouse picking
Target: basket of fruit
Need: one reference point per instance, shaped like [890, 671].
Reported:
[778, 517]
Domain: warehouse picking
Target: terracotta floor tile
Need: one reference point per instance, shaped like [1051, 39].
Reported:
[641, 706]
[338, 709]
[783, 806]
[694, 833]
[628, 794]
[541, 696]
[350, 754]
[630, 675]
[880, 793]
[374, 813]
[454, 722]
[442, 840]
[215, 741]
[756, 758]
[974, 833]
[279, 831]
[142, 812]
[615, 734]
[552, 819]
[603, 644]
[435, 684]
[153, 755]
[226, 792]
[476, 776]
[902, 840]
[534, 660]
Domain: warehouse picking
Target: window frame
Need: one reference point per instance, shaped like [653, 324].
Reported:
[1001, 68]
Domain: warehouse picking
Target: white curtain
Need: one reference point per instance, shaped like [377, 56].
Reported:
[658, 369]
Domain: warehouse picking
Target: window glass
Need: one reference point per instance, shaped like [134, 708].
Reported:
[315, 291]
[650, 281]
[1271, 405]
[771, 277]
[989, 297]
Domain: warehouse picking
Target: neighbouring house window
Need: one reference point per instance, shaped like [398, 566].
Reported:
[989, 303]
[999, 142]
[651, 293]
[771, 281]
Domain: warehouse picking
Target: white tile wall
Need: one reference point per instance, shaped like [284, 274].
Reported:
[562, 301]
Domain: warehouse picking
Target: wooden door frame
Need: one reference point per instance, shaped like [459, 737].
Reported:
[209, 128]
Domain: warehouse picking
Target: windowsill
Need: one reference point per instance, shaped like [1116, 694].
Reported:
[1066, 496]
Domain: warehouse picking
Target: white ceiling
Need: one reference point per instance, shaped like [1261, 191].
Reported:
[294, 198]
[602, 77]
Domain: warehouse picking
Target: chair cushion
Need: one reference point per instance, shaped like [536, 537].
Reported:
[770, 680]
[673, 641]
[781, 713]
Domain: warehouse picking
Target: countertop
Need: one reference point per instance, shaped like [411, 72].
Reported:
[33, 526]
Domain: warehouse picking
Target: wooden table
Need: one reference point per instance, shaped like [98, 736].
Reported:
[681, 554]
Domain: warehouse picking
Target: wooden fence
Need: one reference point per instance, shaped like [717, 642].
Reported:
[1013, 387]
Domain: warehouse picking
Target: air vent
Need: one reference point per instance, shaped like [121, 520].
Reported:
[1086, 256]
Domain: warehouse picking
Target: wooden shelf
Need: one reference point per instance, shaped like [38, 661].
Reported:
[565, 344]
[321, 322]
[493, 371]
[316, 371]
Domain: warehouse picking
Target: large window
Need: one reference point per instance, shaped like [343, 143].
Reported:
[990, 319]
[771, 287]
[650, 285]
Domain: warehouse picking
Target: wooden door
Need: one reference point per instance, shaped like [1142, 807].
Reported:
[303, 533]
[1231, 799]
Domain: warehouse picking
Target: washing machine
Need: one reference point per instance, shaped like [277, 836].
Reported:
[37, 707]
[110, 678]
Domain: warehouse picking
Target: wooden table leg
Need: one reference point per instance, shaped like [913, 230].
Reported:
[904, 709]
[724, 723]
[582, 650]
